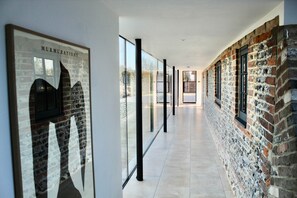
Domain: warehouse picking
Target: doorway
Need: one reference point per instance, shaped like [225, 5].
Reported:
[189, 86]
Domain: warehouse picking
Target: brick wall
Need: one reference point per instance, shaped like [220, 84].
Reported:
[250, 153]
[284, 152]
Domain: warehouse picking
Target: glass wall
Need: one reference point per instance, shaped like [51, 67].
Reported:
[152, 101]
[169, 89]
[123, 107]
[159, 95]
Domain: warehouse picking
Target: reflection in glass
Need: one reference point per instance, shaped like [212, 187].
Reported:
[131, 104]
[152, 105]
[38, 66]
[159, 94]
[123, 109]
[169, 89]
[49, 67]
[149, 68]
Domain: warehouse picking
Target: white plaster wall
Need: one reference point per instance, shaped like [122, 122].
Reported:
[199, 87]
[88, 23]
[277, 11]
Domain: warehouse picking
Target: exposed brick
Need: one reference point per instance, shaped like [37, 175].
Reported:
[280, 127]
[279, 105]
[286, 111]
[285, 75]
[273, 71]
[269, 117]
[285, 160]
[292, 119]
[286, 194]
[272, 92]
[251, 64]
[281, 148]
[288, 171]
[282, 68]
[268, 136]
[276, 119]
[270, 80]
[289, 184]
[289, 84]
[269, 99]
[272, 61]
[265, 152]
[271, 109]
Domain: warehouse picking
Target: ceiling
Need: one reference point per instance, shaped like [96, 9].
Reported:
[187, 32]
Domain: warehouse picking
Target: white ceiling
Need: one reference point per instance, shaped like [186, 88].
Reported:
[187, 32]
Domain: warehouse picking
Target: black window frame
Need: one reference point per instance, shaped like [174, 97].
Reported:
[218, 83]
[242, 79]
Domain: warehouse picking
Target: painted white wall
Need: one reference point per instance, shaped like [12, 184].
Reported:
[90, 24]
[199, 87]
[277, 11]
[290, 12]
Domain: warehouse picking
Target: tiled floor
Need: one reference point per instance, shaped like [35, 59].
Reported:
[182, 163]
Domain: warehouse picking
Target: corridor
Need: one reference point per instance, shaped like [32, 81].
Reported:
[183, 162]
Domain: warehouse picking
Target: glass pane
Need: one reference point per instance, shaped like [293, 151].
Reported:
[243, 82]
[169, 90]
[38, 66]
[131, 104]
[153, 83]
[49, 67]
[123, 108]
[159, 94]
[147, 103]
[218, 81]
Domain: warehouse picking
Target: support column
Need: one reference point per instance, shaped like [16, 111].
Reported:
[165, 94]
[173, 90]
[139, 151]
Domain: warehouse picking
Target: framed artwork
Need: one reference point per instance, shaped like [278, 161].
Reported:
[50, 115]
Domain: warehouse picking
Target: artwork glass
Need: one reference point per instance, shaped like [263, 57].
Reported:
[50, 115]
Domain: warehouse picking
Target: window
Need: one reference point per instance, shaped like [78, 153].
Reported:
[242, 82]
[218, 83]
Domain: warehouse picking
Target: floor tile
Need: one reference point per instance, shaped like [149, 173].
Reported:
[182, 163]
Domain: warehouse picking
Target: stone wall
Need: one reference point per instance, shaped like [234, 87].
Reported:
[247, 152]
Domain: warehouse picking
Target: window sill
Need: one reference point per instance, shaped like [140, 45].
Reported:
[240, 121]
[218, 102]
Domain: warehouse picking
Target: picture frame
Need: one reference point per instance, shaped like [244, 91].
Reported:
[50, 115]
